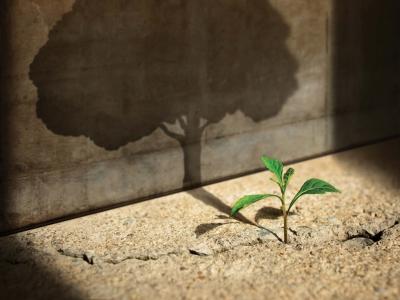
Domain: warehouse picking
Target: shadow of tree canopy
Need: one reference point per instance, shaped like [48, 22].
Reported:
[115, 71]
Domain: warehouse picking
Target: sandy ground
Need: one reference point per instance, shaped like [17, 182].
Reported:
[184, 246]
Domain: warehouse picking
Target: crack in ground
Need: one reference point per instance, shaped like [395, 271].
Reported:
[210, 252]
[141, 257]
[198, 253]
[89, 259]
[374, 237]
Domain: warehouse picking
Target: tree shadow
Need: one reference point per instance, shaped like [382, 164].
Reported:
[365, 82]
[116, 71]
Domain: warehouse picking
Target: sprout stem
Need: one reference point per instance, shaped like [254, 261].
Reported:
[284, 213]
[285, 227]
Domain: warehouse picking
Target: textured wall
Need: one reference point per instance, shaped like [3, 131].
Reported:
[365, 65]
[110, 101]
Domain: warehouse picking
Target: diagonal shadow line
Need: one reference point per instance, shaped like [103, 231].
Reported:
[270, 213]
[213, 201]
[206, 227]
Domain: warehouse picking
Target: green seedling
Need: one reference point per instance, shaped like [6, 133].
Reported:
[311, 186]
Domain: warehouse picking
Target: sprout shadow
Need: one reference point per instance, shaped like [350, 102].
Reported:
[269, 213]
[213, 201]
[206, 227]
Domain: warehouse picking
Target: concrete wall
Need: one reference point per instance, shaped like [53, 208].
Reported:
[105, 102]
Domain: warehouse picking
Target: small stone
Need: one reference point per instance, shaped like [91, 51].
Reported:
[358, 243]
[201, 250]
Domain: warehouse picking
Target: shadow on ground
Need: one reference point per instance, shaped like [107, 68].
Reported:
[24, 274]
[269, 213]
[213, 201]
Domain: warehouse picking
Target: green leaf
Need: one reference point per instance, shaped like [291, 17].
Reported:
[275, 166]
[313, 186]
[286, 178]
[247, 200]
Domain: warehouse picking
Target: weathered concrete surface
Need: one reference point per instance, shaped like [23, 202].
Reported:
[183, 246]
[283, 60]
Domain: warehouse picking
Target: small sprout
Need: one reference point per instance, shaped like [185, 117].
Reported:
[311, 186]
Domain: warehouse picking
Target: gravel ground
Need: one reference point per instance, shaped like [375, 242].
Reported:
[184, 246]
